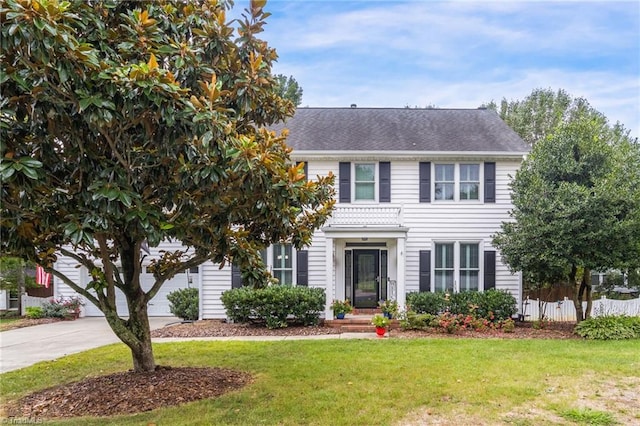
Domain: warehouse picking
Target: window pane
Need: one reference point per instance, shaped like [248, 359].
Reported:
[469, 181]
[469, 256]
[444, 191]
[469, 191]
[470, 172]
[365, 191]
[444, 172]
[284, 277]
[468, 280]
[444, 255]
[365, 172]
[444, 182]
[444, 281]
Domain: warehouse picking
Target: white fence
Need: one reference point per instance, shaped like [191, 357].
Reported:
[563, 310]
[28, 301]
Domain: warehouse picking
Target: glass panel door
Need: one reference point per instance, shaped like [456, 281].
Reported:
[366, 276]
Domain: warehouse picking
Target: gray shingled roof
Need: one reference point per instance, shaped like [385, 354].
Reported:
[400, 129]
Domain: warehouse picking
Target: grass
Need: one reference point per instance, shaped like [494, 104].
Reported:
[365, 382]
[587, 416]
[6, 322]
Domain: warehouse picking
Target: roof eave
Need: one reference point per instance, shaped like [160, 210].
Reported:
[404, 155]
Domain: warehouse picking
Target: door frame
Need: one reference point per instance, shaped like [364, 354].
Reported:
[381, 264]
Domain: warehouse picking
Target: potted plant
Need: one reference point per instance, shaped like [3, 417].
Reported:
[381, 322]
[389, 308]
[341, 308]
[72, 306]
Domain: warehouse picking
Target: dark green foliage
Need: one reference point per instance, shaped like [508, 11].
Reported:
[274, 305]
[610, 327]
[500, 302]
[426, 302]
[415, 321]
[184, 303]
[494, 305]
[464, 303]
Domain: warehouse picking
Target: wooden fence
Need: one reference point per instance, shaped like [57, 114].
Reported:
[563, 310]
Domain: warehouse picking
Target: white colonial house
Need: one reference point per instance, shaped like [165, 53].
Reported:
[420, 192]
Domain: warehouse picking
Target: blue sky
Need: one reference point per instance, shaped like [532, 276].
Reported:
[459, 54]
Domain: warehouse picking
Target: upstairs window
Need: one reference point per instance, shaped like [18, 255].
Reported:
[365, 182]
[444, 181]
[469, 181]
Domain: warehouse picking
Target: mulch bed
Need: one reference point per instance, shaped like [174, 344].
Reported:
[128, 392]
[217, 328]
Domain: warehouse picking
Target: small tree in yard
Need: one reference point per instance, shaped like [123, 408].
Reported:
[124, 122]
[576, 208]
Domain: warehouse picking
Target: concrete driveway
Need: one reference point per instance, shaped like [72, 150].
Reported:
[26, 346]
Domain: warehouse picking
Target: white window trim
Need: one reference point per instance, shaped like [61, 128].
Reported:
[456, 263]
[456, 182]
[376, 182]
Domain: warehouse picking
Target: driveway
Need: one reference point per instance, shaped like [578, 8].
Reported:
[26, 346]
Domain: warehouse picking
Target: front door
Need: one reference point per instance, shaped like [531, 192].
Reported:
[366, 278]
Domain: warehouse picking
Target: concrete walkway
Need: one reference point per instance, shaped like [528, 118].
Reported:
[26, 346]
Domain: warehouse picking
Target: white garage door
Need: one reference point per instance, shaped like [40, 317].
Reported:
[159, 305]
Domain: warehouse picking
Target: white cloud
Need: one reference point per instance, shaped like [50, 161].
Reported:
[460, 54]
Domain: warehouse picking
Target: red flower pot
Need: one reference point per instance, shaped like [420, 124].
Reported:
[380, 331]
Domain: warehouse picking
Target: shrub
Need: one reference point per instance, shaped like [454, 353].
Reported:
[499, 302]
[494, 305]
[184, 303]
[464, 303]
[274, 305]
[414, 321]
[609, 327]
[426, 302]
[55, 309]
[34, 312]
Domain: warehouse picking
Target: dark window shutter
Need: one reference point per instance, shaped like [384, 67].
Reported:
[425, 182]
[236, 277]
[489, 270]
[385, 181]
[302, 265]
[345, 182]
[425, 270]
[489, 182]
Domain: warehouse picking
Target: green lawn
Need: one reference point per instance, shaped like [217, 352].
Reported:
[8, 322]
[382, 382]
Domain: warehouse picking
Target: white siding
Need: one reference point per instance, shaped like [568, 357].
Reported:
[426, 222]
[214, 281]
[473, 221]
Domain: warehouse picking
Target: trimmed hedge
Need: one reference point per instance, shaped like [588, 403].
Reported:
[494, 305]
[184, 303]
[274, 305]
[609, 327]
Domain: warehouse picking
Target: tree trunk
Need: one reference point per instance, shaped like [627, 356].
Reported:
[586, 284]
[135, 333]
[577, 293]
[21, 289]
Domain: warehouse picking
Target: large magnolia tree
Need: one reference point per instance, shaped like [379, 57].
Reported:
[576, 208]
[125, 123]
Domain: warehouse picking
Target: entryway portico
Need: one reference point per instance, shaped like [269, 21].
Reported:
[365, 256]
